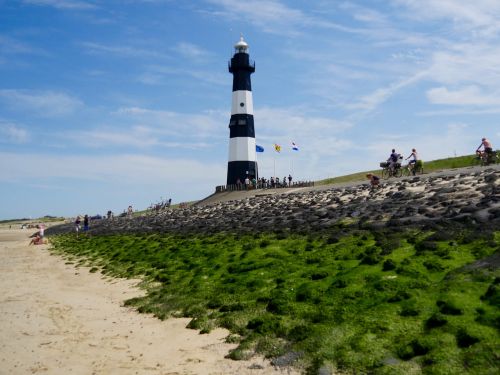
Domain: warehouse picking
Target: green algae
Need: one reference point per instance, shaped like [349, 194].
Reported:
[361, 301]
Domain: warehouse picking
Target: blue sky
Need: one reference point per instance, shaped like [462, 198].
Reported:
[108, 103]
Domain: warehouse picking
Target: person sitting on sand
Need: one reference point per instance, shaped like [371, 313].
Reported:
[374, 180]
[37, 240]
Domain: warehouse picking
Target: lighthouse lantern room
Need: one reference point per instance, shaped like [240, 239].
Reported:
[242, 157]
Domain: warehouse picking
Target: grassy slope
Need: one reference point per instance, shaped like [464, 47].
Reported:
[362, 301]
[431, 166]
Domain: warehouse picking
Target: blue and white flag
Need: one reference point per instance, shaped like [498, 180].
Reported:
[295, 147]
[259, 148]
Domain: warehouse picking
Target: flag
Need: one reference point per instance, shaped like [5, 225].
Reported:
[295, 147]
[259, 148]
[277, 147]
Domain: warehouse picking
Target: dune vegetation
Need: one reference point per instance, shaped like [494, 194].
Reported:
[428, 166]
[377, 301]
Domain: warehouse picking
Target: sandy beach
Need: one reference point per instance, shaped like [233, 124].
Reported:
[59, 319]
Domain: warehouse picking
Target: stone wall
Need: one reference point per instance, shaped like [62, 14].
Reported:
[471, 197]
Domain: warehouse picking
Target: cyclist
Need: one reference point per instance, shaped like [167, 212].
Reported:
[393, 159]
[488, 148]
[414, 158]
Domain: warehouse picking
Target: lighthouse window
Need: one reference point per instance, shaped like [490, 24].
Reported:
[242, 104]
[242, 122]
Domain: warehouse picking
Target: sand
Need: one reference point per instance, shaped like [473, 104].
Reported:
[59, 319]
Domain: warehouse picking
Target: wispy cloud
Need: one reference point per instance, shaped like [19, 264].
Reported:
[127, 51]
[274, 16]
[41, 103]
[372, 101]
[63, 4]
[11, 133]
[480, 14]
[138, 137]
[136, 169]
[170, 123]
[160, 75]
[191, 51]
[470, 95]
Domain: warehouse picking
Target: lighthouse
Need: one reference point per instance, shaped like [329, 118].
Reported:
[242, 159]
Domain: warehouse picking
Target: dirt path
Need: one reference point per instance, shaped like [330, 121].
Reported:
[57, 319]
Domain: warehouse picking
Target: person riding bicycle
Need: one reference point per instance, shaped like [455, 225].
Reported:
[414, 158]
[393, 160]
[487, 153]
[488, 148]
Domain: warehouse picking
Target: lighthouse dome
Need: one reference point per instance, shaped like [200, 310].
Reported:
[241, 46]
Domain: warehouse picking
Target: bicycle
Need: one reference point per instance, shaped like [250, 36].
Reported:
[413, 169]
[387, 172]
[482, 158]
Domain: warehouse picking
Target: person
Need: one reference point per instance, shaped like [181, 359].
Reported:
[289, 180]
[37, 240]
[374, 180]
[129, 211]
[284, 181]
[238, 184]
[247, 183]
[488, 148]
[41, 231]
[393, 159]
[77, 225]
[413, 162]
[86, 223]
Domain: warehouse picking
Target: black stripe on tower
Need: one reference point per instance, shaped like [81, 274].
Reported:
[241, 67]
[239, 170]
[241, 125]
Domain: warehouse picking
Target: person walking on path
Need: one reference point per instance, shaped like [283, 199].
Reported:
[77, 225]
[86, 223]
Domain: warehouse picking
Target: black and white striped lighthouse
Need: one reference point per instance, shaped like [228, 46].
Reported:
[242, 158]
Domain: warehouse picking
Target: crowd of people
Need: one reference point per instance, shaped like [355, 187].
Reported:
[263, 183]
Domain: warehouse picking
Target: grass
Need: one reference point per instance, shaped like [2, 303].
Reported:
[429, 166]
[361, 301]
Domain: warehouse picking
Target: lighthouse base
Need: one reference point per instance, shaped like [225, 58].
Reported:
[241, 170]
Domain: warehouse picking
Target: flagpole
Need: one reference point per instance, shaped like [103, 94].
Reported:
[275, 171]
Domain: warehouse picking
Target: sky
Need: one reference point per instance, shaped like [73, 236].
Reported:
[107, 103]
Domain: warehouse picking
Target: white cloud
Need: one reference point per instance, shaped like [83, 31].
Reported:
[186, 126]
[274, 17]
[467, 96]
[121, 50]
[132, 169]
[10, 45]
[13, 133]
[136, 137]
[479, 14]
[160, 75]
[41, 103]
[191, 51]
[63, 4]
[373, 100]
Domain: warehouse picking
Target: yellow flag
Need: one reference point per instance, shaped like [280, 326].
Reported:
[277, 147]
